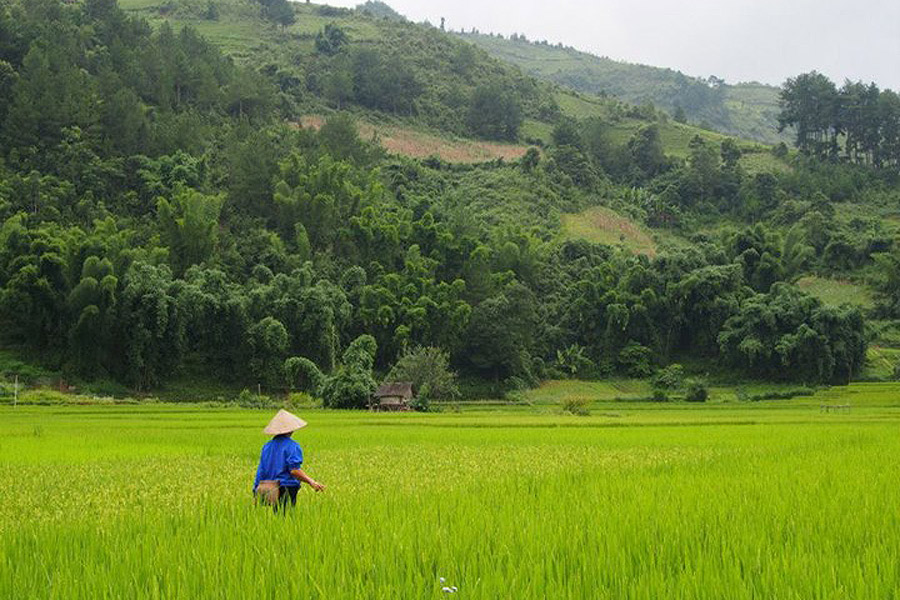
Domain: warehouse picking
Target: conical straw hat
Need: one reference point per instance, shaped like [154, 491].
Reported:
[284, 422]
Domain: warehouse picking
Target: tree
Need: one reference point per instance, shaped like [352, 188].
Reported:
[190, 226]
[330, 40]
[302, 374]
[428, 369]
[500, 333]
[278, 11]
[809, 103]
[788, 335]
[646, 150]
[268, 341]
[352, 385]
[495, 113]
[150, 325]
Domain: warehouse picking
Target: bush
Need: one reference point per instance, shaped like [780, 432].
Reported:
[669, 378]
[659, 396]
[573, 360]
[348, 388]
[696, 392]
[635, 360]
[577, 406]
[247, 399]
[301, 400]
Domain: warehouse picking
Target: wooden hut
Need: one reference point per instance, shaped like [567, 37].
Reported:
[394, 396]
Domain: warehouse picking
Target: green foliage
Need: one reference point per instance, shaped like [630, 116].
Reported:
[696, 391]
[162, 214]
[190, 226]
[280, 12]
[669, 378]
[747, 110]
[579, 407]
[494, 113]
[859, 121]
[352, 385]
[573, 361]
[428, 369]
[786, 334]
[268, 341]
[330, 40]
[303, 374]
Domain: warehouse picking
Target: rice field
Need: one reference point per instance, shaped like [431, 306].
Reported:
[773, 499]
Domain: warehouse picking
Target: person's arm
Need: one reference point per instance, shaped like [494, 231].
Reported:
[299, 475]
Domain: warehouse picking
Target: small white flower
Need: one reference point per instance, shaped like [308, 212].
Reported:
[443, 580]
[446, 590]
[454, 588]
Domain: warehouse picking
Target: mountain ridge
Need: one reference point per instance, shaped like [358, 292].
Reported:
[745, 109]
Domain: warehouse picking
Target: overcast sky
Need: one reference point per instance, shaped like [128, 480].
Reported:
[739, 40]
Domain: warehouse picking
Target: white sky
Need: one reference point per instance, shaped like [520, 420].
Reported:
[739, 40]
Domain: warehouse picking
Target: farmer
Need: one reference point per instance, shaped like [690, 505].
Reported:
[279, 474]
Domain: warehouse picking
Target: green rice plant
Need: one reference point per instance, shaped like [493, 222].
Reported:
[770, 499]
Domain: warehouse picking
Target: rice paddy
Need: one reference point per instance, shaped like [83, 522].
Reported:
[772, 499]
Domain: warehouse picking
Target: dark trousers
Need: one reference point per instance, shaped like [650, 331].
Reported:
[287, 496]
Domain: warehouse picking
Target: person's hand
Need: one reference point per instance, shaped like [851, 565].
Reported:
[316, 486]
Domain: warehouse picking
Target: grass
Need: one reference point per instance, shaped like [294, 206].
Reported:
[836, 291]
[880, 362]
[676, 137]
[605, 226]
[766, 499]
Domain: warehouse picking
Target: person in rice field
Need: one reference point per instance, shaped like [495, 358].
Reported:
[279, 474]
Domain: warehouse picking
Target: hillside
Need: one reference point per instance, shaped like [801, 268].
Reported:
[746, 110]
[442, 71]
[296, 198]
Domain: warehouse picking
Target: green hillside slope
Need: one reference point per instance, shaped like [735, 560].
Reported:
[747, 110]
[442, 73]
[193, 189]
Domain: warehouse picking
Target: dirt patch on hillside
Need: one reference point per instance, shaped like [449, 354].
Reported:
[605, 226]
[419, 144]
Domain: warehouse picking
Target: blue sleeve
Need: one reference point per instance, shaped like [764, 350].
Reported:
[293, 457]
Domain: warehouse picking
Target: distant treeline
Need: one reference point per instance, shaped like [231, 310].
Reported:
[856, 122]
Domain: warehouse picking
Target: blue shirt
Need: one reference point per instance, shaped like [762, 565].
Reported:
[279, 456]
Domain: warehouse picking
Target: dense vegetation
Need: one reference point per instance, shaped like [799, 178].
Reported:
[162, 215]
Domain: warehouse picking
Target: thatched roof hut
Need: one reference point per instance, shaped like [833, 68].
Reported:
[394, 396]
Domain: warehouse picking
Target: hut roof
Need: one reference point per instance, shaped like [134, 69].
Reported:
[400, 389]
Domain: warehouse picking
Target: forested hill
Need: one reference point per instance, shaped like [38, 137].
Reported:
[165, 217]
[746, 110]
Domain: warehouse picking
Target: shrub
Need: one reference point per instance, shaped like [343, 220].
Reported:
[660, 396]
[247, 399]
[635, 359]
[669, 378]
[577, 406]
[573, 360]
[696, 392]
